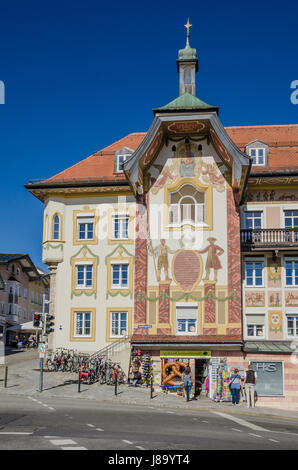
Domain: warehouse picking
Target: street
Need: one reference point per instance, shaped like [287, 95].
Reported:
[44, 423]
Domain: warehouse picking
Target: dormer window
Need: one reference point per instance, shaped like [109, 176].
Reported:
[121, 159]
[258, 156]
[259, 152]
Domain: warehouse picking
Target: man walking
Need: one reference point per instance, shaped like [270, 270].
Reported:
[250, 380]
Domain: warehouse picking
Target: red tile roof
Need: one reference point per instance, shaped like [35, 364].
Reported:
[100, 165]
[282, 141]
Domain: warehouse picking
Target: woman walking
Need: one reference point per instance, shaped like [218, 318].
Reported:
[235, 385]
[187, 382]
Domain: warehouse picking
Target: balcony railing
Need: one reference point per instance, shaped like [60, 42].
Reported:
[269, 238]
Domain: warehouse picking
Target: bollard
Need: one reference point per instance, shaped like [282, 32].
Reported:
[79, 382]
[151, 388]
[116, 383]
[5, 378]
[41, 375]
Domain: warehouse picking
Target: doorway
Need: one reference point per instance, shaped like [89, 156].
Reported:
[201, 373]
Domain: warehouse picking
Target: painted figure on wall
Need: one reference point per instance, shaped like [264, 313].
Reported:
[187, 165]
[212, 262]
[275, 321]
[255, 299]
[162, 252]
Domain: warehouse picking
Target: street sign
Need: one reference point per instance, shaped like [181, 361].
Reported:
[145, 327]
[41, 348]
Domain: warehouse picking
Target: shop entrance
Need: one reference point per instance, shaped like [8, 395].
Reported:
[201, 374]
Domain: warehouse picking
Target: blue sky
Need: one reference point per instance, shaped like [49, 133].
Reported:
[81, 74]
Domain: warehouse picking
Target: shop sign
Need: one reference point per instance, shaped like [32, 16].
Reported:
[270, 377]
[186, 354]
[145, 327]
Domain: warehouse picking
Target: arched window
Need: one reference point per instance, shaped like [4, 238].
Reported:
[187, 206]
[56, 227]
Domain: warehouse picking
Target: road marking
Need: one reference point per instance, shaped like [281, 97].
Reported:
[50, 408]
[170, 412]
[240, 421]
[140, 447]
[91, 425]
[256, 435]
[16, 433]
[239, 430]
[74, 448]
[51, 437]
[99, 429]
[127, 442]
[273, 440]
[63, 442]
[205, 421]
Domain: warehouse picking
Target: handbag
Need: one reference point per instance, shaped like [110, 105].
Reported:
[231, 383]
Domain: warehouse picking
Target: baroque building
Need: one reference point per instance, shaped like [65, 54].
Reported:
[183, 239]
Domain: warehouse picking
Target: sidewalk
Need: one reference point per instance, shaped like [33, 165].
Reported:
[24, 374]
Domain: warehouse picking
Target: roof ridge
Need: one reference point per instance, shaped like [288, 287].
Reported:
[261, 125]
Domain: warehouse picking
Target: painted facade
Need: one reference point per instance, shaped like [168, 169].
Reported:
[185, 248]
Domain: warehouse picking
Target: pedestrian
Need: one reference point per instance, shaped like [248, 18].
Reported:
[207, 386]
[187, 382]
[235, 386]
[250, 381]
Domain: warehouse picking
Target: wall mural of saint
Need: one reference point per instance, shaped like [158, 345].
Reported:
[187, 164]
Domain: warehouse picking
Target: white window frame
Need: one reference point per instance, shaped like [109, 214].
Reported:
[292, 260]
[295, 327]
[119, 168]
[255, 326]
[113, 312]
[194, 319]
[83, 286]
[83, 335]
[253, 219]
[54, 229]
[257, 157]
[121, 218]
[85, 219]
[120, 286]
[254, 260]
[292, 217]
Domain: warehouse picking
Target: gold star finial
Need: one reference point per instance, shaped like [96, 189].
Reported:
[187, 26]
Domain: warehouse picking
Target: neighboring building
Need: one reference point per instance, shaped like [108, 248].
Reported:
[189, 247]
[38, 291]
[16, 270]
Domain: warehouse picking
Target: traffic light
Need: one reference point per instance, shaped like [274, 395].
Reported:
[36, 320]
[49, 324]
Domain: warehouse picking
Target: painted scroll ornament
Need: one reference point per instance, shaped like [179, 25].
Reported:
[187, 269]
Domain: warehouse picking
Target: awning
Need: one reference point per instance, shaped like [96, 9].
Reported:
[268, 346]
[28, 326]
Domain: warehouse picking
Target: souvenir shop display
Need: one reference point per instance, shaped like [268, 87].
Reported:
[147, 367]
[222, 391]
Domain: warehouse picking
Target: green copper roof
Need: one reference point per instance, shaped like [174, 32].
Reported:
[186, 101]
[188, 53]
